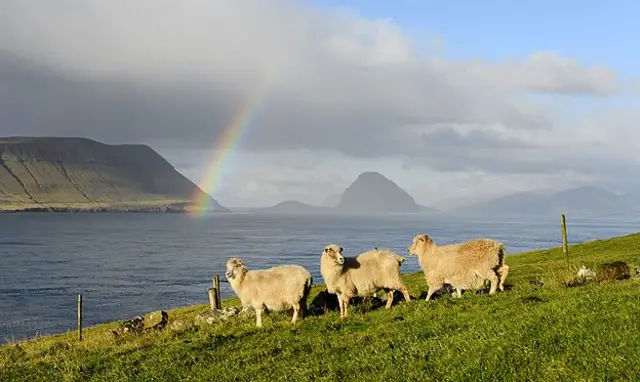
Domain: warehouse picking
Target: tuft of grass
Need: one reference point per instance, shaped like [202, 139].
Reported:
[529, 332]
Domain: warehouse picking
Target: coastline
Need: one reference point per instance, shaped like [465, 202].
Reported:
[139, 207]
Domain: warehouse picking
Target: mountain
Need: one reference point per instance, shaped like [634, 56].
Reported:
[373, 192]
[79, 174]
[292, 207]
[581, 201]
[332, 200]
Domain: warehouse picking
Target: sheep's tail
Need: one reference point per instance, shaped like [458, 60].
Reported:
[400, 259]
[305, 294]
[502, 254]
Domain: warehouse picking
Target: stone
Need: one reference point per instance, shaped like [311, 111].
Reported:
[134, 325]
[585, 273]
[616, 270]
[177, 325]
[156, 320]
[213, 316]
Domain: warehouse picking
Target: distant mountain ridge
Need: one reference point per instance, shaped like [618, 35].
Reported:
[80, 174]
[292, 207]
[371, 192]
[587, 201]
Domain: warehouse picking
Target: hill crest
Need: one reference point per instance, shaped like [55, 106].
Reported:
[81, 174]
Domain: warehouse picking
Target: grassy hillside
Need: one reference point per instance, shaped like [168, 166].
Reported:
[82, 174]
[529, 332]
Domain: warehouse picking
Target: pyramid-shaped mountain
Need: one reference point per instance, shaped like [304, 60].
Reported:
[373, 192]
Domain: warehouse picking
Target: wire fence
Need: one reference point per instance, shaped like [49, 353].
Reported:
[55, 310]
[60, 315]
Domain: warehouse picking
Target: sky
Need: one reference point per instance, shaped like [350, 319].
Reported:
[455, 101]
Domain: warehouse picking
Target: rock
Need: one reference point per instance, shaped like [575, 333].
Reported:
[156, 320]
[213, 316]
[177, 325]
[134, 325]
[616, 270]
[585, 273]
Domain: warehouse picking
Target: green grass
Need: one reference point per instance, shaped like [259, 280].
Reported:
[545, 333]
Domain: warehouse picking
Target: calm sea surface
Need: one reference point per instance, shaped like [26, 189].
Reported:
[130, 264]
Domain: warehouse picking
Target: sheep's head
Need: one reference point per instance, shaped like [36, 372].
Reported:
[234, 267]
[420, 243]
[334, 252]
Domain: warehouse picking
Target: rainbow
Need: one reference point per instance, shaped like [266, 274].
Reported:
[226, 145]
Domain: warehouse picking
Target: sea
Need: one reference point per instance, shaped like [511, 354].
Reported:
[126, 264]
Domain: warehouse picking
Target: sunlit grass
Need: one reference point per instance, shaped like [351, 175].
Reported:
[526, 333]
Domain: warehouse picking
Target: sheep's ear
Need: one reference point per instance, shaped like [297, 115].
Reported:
[341, 249]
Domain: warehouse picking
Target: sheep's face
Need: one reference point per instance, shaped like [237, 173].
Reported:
[233, 267]
[420, 243]
[334, 252]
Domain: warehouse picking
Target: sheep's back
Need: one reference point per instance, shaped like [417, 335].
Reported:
[482, 251]
[284, 283]
[375, 269]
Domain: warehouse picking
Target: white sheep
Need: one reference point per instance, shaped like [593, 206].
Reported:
[278, 288]
[465, 265]
[362, 275]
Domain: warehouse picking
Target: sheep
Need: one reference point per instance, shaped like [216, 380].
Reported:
[277, 288]
[465, 265]
[348, 277]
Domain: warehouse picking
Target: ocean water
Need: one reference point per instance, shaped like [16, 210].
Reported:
[130, 264]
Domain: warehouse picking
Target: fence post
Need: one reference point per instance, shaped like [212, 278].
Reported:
[216, 284]
[79, 317]
[212, 298]
[565, 245]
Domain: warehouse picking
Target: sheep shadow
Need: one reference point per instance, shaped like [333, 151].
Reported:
[325, 302]
[448, 290]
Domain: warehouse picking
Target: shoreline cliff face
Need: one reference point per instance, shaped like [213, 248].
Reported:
[78, 174]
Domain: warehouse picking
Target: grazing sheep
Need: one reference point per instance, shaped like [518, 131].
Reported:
[464, 266]
[277, 288]
[348, 277]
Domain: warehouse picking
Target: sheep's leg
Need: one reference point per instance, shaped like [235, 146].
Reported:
[345, 306]
[296, 309]
[458, 293]
[259, 317]
[340, 304]
[503, 271]
[432, 289]
[389, 299]
[494, 280]
[405, 293]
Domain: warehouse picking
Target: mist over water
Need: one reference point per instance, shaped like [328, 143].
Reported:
[130, 264]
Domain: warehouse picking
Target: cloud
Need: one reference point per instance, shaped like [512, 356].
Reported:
[546, 72]
[335, 85]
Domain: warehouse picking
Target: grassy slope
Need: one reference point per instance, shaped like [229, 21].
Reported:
[82, 174]
[582, 333]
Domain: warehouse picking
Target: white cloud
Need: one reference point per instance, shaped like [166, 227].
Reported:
[343, 94]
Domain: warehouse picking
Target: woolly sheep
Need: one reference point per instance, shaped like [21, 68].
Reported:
[465, 265]
[277, 288]
[365, 274]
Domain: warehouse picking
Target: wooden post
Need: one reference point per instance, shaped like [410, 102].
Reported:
[79, 317]
[212, 298]
[216, 284]
[565, 245]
